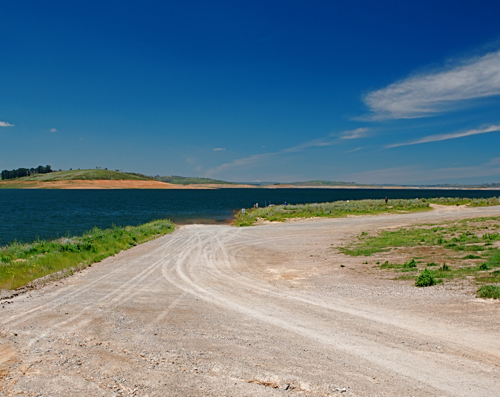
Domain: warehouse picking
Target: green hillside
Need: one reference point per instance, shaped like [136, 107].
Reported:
[85, 175]
[182, 180]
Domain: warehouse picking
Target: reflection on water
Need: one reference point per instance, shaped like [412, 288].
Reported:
[28, 214]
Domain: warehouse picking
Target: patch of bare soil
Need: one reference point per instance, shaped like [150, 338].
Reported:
[111, 184]
[7, 357]
[105, 184]
[257, 311]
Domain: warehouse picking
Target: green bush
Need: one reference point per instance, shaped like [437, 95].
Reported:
[489, 291]
[410, 264]
[425, 279]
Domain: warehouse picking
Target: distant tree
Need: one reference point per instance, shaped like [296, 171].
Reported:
[21, 172]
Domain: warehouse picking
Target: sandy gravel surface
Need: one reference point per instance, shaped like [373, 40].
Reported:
[132, 184]
[266, 310]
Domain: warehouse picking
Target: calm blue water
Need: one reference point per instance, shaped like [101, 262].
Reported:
[28, 214]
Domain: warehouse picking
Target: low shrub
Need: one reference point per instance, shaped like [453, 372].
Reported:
[425, 279]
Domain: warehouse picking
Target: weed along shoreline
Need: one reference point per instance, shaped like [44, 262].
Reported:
[344, 208]
[22, 263]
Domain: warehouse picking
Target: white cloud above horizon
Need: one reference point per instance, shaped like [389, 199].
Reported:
[444, 137]
[53, 130]
[331, 139]
[427, 94]
[5, 124]
[413, 174]
[218, 149]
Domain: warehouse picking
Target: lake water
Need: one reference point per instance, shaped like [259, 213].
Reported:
[29, 214]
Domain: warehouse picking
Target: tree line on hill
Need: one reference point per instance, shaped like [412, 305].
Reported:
[20, 172]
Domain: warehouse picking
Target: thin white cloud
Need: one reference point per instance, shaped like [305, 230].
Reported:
[259, 158]
[354, 134]
[256, 158]
[444, 137]
[5, 124]
[218, 149]
[354, 150]
[53, 130]
[418, 174]
[427, 94]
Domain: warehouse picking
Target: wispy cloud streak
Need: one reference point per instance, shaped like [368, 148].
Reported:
[332, 139]
[427, 94]
[444, 137]
[5, 124]
[354, 134]
[417, 174]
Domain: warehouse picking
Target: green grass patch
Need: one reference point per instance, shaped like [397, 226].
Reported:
[455, 236]
[387, 265]
[489, 292]
[494, 259]
[451, 238]
[22, 263]
[471, 256]
[476, 202]
[336, 209]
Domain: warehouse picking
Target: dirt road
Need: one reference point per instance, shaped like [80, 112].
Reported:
[267, 310]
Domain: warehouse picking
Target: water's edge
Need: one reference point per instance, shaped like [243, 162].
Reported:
[26, 215]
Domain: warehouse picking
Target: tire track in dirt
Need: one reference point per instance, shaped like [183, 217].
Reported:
[60, 300]
[206, 272]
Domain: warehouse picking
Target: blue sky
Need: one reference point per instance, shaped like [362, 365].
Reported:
[363, 91]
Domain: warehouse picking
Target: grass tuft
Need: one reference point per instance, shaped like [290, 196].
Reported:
[410, 264]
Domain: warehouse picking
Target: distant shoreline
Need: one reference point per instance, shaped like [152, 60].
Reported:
[150, 184]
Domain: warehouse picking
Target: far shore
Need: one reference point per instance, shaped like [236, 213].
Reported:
[150, 184]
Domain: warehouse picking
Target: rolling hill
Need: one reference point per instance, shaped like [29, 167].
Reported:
[84, 175]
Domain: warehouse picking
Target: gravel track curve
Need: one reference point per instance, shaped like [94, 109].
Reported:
[265, 310]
